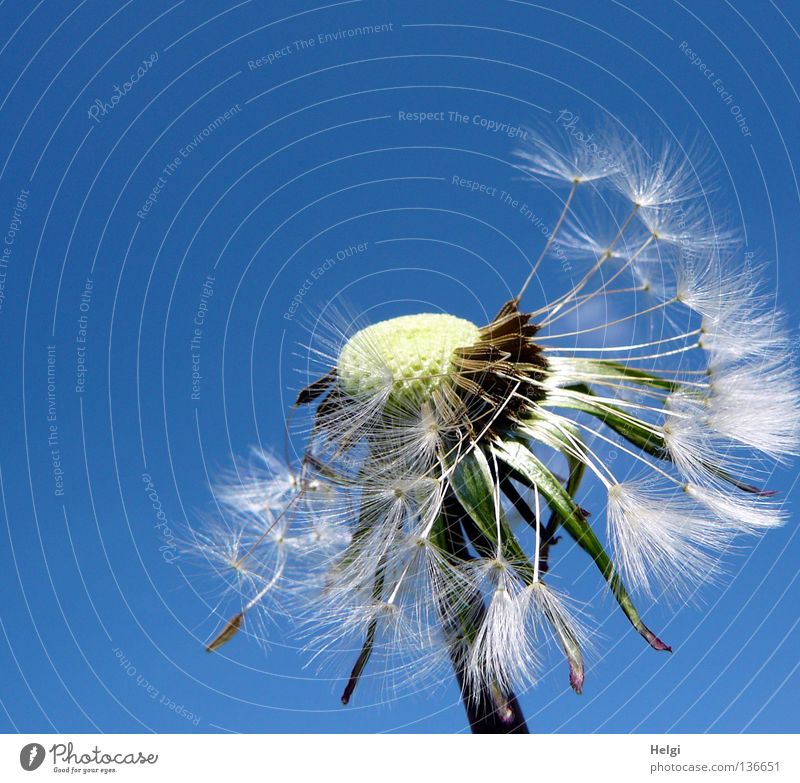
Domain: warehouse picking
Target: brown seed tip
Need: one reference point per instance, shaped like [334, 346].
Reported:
[228, 632]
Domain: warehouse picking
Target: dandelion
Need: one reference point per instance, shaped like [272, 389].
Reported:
[444, 459]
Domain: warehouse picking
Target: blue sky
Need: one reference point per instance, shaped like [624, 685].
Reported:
[168, 167]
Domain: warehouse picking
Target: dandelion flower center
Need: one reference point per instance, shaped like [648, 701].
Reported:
[411, 355]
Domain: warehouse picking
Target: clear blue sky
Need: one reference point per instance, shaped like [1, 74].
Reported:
[148, 147]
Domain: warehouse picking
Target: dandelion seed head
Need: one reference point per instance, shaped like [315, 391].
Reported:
[431, 435]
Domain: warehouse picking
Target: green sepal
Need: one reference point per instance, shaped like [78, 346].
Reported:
[562, 437]
[474, 486]
[531, 471]
[602, 367]
[629, 427]
[638, 433]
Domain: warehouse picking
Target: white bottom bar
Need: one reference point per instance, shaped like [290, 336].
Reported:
[407, 758]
